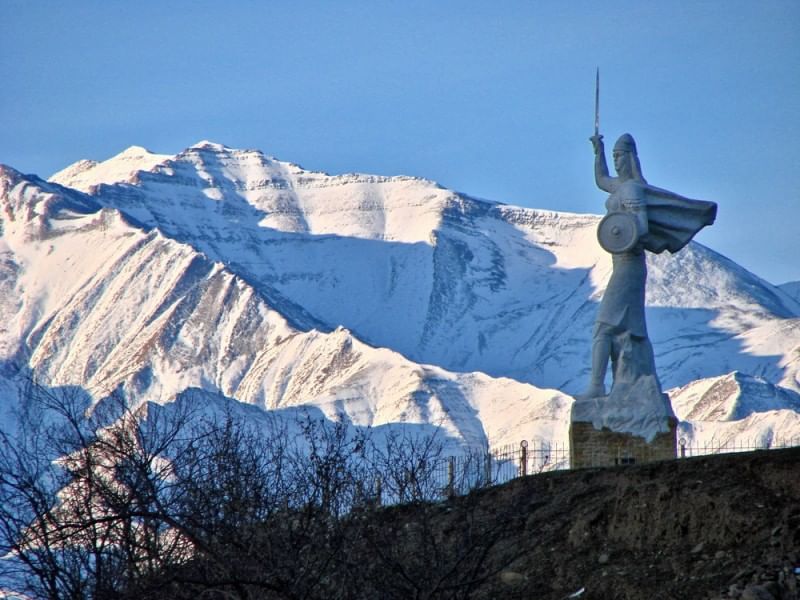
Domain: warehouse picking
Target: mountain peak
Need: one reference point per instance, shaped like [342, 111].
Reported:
[209, 145]
[134, 151]
[731, 397]
[85, 174]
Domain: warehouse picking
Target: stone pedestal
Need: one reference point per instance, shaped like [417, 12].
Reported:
[591, 447]
[635, 423]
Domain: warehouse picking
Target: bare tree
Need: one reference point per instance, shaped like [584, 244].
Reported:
[431, 543]
[84, 491]
[111, 501]
[268, 507]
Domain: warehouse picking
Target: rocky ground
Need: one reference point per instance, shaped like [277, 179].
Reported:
[714, 527]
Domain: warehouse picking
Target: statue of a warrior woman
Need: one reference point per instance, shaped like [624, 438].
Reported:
[639, 217]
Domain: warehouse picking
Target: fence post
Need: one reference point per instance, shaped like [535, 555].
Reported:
[683, 447]
[523, 458]
[487, 469]
[451, 476]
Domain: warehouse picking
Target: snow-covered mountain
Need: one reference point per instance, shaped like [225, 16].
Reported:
[470, 285]
[381, 299]
[736, 409]
[93, 300]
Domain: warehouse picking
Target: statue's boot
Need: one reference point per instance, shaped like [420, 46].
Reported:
[595, 390]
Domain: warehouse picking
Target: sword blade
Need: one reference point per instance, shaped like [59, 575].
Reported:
[597, 102]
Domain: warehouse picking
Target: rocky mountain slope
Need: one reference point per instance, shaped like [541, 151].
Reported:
[381, 299]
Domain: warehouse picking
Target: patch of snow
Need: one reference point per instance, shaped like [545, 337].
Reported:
[85, 174]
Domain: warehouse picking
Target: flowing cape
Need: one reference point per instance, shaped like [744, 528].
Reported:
[674, 220]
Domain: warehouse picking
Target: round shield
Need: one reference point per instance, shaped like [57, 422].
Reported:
[618, 232]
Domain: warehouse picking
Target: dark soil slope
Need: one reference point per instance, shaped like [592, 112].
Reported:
[709, 527]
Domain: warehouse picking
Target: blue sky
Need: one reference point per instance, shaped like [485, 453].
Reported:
[494, 99]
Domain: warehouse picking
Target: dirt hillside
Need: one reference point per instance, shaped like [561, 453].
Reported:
[725, 526]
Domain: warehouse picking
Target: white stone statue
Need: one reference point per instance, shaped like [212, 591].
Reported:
[639, 217]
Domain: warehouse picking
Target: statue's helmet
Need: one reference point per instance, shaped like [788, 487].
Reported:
[625, 143]
[630, 166]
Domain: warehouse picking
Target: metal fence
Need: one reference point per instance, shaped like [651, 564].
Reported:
[440, 477]
[501, 464]
[687, 449]
[457, 475]
[528, 458]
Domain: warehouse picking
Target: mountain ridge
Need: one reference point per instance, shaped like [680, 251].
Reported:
[352, 266]
[452, 251]
[194, 324]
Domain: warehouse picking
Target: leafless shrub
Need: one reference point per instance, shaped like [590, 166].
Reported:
[104, 501]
